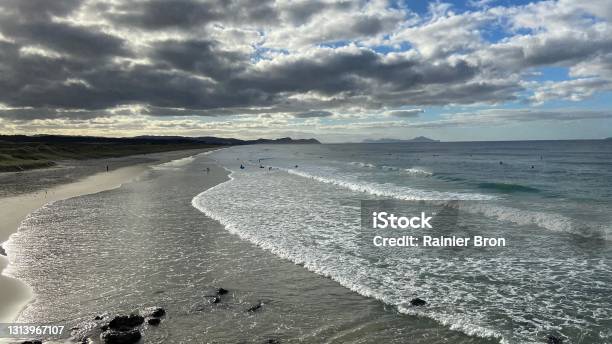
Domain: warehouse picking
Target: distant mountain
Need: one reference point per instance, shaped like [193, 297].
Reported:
[608, 139]
[159, 140]
[211, 140]
[416, 139]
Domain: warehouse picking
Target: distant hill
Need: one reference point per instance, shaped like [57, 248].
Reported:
[21, 152]
[416, 139]
[206, 140]
[211, 140]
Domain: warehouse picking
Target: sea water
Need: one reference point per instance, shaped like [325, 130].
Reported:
[549, 201]
[289, 235]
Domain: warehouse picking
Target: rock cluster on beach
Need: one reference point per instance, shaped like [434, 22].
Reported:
[118, 329]
[132, 328]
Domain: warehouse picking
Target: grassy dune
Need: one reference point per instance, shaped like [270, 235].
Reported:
[19, 156]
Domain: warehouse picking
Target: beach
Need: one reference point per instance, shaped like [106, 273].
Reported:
[282, 238]
[144, 245]
[23, 198]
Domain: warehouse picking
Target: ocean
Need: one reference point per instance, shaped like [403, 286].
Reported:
[549, 200]
[286, 230]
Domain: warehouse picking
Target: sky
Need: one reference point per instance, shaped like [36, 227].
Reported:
[339, 71]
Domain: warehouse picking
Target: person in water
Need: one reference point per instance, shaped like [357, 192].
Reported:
[241, 167]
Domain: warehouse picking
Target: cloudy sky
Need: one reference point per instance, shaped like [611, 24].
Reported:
[334, 70]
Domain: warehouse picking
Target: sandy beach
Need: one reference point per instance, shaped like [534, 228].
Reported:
[14, 209]
[146, 244]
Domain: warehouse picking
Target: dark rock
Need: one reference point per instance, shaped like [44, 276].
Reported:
[222, 291]
[32, 342]
[2, 251]
[104, 328]
[272, 341]
[120, 337]
[256, 307]
[554, 340]
[154, 321]
[125, 322]
[98, 317]
[156, 312]
[418, 302]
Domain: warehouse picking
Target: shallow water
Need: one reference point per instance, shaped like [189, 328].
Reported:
[549, 200]
[145, 244]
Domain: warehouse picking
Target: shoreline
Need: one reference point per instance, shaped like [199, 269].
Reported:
[263, 283]
[14, 209]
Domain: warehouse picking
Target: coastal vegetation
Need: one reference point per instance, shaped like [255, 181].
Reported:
[20, 155]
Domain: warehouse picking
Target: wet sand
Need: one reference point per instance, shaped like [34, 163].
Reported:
[144, 244]
[14, 209]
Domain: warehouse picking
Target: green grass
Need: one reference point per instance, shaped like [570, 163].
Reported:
[25, 156]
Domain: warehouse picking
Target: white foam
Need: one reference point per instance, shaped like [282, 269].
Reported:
[323, 241]
[477, 296]
[390, 190]
[362, 164]
[547, 220]
[416, 171]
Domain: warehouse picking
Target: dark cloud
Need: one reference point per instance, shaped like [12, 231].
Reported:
[161, 14]
[412, 113]
[301, 12]
[313, 114]
[186, 14]
[76, 41]
[201, 57]
[39, 9]
[69, 58]
[369, 25]
[354, 71]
